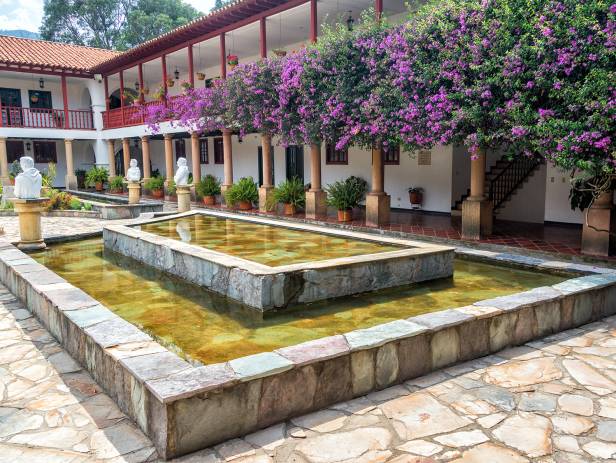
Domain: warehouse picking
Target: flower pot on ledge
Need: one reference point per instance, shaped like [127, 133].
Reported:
[288, 209]
[158, 193]
[244, 205]
[345, 215]
[209, 200]
[98, 186]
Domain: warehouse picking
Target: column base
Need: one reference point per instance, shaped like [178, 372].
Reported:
[183, 193]
[377, 209]
[30, 232]
[70, 181]
[265, 198]
[223, 190]
[316, 204]
[134, 192]
[595, 242]
[477, 218]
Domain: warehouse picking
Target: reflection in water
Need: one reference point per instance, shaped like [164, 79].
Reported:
[265, 244]
[211, 328]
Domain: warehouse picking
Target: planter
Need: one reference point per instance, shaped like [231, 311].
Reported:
[345, 215]
[288, 209]
[98, 186]
[209, 200]
[116, 191]
[200, 76]
[158, 193]
[244, 205]
[12, 181]
[416, 198]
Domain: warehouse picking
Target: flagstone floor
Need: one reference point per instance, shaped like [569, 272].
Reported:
[548, 401]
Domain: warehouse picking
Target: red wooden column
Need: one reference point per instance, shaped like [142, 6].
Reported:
[122, 95]
[314, 28]
[223, 57]
[263, 37]
[378, 8]
[106, 121]
[163, 61]
[65, 101]
[191, 66]
[141, 94]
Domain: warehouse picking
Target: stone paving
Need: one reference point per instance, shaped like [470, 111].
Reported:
[548, 401]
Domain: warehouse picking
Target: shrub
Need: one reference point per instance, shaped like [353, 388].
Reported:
[14, 169]
[96, 175]
[171, 188]
[116, 183]
[208, 186]
[59, 200]
[244, 190]
[289, 192]
[154, 183]
[346, 194]
[50, 175]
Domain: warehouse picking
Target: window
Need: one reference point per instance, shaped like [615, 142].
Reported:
[203, 152]
[391, 155]
[44, 152]
[334, 156]
[39, 99]
[180, 148]
[219, 157]
[14, 150]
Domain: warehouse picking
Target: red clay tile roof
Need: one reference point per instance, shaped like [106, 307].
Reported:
[51, 55]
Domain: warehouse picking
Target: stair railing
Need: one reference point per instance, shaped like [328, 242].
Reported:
[505, 183]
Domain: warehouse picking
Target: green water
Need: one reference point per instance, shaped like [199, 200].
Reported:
[210, 328]
[264, 244]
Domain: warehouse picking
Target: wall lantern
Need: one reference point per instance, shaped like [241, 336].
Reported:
[350, 22]
[41, 83]
[28, 146]
[176, 73]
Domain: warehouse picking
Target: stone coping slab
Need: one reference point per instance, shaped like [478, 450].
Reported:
[118, 207]
[265, 287]
[183, 407]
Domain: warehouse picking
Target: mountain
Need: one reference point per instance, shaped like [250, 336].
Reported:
[20, 33]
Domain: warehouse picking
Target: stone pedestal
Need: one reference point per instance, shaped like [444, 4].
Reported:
[29, 211]
[265, 193]
[316, 204]
[476, 218]
[377, 209]
[134, 192]
[183, 192]
[596, 238]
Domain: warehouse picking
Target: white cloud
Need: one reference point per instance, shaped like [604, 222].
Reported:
[26, 14]
[202, 5]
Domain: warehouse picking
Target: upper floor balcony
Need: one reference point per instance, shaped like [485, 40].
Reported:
[46, 118]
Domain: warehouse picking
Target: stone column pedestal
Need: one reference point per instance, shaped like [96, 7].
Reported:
[316, 204]
[600, 221]
[183, 192]
[477, 218]
[134, 192]
[377, 209]
[30, 232]
[265, 193]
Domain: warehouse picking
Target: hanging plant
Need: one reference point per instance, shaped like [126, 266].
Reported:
[170, 82]
[34, 98]
[232, 60]
[200, 76]
[279, 52]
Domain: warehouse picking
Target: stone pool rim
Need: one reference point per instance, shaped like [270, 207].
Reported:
[183, 408]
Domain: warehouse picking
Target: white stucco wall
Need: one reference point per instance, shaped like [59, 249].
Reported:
[557, 206]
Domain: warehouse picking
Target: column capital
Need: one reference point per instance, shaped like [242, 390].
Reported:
[227, 132]
[194, 135]
[110, 141]
[3, 139]
[144, 138]
[168, 136]
[68, 140]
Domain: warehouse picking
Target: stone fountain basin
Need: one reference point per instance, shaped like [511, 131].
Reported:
[117, 207]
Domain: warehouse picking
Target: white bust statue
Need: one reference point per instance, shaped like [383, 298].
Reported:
[134, 173]
[181, 176]
[28, 184]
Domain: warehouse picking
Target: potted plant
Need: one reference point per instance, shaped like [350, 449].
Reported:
[185, 85]
[243, 194]
[170, 82]
[415, 195]
[279, 52]
[96, 177]
[200, 75]
[155, 186]
[160, 94]
[208, 187]
[291, 194]
[171, 191]
[81, 178]
[116, 185]
[232, 61]
[48, 177]
[344, 195]
[14, 171]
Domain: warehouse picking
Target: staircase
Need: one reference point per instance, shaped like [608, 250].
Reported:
[503, 180]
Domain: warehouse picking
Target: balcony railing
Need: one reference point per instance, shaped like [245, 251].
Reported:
[127, 116]
[41, 118]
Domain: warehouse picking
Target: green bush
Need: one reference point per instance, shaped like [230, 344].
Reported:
[59, 200]
[14, 169]
[116, 183]
[154, 183]
[96, 175]
[171, 188]
[289, 192]
[244, 190]
[208, 186]
[346, 194]
[6, 206]
[50, 175]
[75, 204]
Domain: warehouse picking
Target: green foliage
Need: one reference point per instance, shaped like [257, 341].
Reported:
[50, 175]
[116, 183]
[208, 186]
[14, 169]
[171, 188]
[154, 183]
[289, 192]
[6, 206]
[59, 200]
[96, 175]
[244, 190]
[346, 194]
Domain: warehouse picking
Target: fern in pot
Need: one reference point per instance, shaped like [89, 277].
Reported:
[345, 195]
[155, 185]
[96, 177]
[243, 194]
[208, 187]
[291, 194]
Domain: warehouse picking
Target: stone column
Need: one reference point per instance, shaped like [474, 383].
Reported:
[599, 222]
[111, 158]
[30, 232]
[316, 198]
[134, 192]
[168, 158]
[4, 164]
[377, 201]
[265, 191]
[70, 181]
[126, 154]
[227, 147]
[477, 208]
[196, 161]
[183, 192]
[145, 148]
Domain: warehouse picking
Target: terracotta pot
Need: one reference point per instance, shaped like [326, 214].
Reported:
[244, 205]
[158, 193]
[209, 200]
[345, 215]
[117, 191]
[12, 181]
[98, 186]
[288, 209]
[415, 197]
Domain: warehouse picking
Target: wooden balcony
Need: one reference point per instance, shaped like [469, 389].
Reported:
[40, 118]
[127, 116]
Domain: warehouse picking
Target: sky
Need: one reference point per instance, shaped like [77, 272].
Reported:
[27, 14]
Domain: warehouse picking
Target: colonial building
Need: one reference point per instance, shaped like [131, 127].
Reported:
[74, 106]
